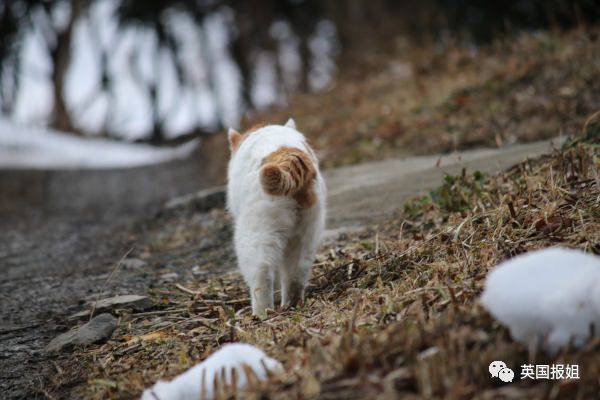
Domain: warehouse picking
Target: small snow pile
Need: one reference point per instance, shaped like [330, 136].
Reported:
[198, 382]
[42, 148]
[552, 295]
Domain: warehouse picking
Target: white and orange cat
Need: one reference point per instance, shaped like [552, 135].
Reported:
[277, 198]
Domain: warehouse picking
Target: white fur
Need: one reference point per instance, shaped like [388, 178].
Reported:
[190, 385]
[275, 240]
[290, 123]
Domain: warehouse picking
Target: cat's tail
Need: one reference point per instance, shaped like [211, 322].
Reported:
[287, 172]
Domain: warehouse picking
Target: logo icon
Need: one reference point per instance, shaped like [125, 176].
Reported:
[498, 369]
[495, 367]
[506, 375]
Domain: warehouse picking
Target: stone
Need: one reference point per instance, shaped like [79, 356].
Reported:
[169, 277]
[197, 270]
[98, 329]
[201, 201]
[133, 263]
[128, 302]
[206, 243]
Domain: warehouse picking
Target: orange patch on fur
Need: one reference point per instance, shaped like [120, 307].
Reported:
[289, 172]
[306, 198]
[235, 139]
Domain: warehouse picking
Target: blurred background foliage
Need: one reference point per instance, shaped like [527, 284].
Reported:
[249, 54]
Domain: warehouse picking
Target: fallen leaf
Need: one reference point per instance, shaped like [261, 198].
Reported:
[552, 224]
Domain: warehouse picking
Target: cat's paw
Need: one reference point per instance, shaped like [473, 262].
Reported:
[262, 314]
[294, 295]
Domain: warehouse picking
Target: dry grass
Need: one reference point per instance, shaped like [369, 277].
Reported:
[450, 96]
[390, 311]
[443, 97]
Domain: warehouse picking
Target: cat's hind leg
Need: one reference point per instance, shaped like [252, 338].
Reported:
[294, 273]
[261, 289]
[299, 255]
[258, 257]
[277, 285]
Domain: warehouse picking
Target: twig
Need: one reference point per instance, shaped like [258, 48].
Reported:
[108, 280]
[162, 312]
[589, 120]
[184, 289]
[458, 229]
[18, 329]
[209, 301]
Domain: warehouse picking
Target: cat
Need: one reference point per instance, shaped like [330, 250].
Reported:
[276, 195]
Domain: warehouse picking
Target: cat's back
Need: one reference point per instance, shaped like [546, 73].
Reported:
[257, 145]
[280, 148]
[245, 189]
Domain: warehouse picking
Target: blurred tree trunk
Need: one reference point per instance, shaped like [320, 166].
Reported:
[211, 77]
[60, 55]
[157, 135]
[303, 21]
[240, 51]
[10, 59]
[248, 39]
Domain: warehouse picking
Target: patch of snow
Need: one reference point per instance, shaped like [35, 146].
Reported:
[134, 61]
[264, 90]
[324, 48]
[204, 92]
[34, 98]
[550, 295]
[288, 56]
[38, 148]
[189, 385]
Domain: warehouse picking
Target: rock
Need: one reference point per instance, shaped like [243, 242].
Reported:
[206, 243]
[79, 315]
[98, 329]
[129, 301]
[169, 277]
[201, 201]
[133, 263]
[197, 270]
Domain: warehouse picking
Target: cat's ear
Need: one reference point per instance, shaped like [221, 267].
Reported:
[235, 138]
[290, 123]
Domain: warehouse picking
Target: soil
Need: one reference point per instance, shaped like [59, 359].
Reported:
[55, 267]
[57, 263]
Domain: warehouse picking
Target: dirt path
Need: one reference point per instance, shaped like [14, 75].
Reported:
[54, 267]
[366, 193]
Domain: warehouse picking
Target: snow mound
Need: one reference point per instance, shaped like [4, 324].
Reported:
[550, 295]
[40, 148]
[189, 384]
